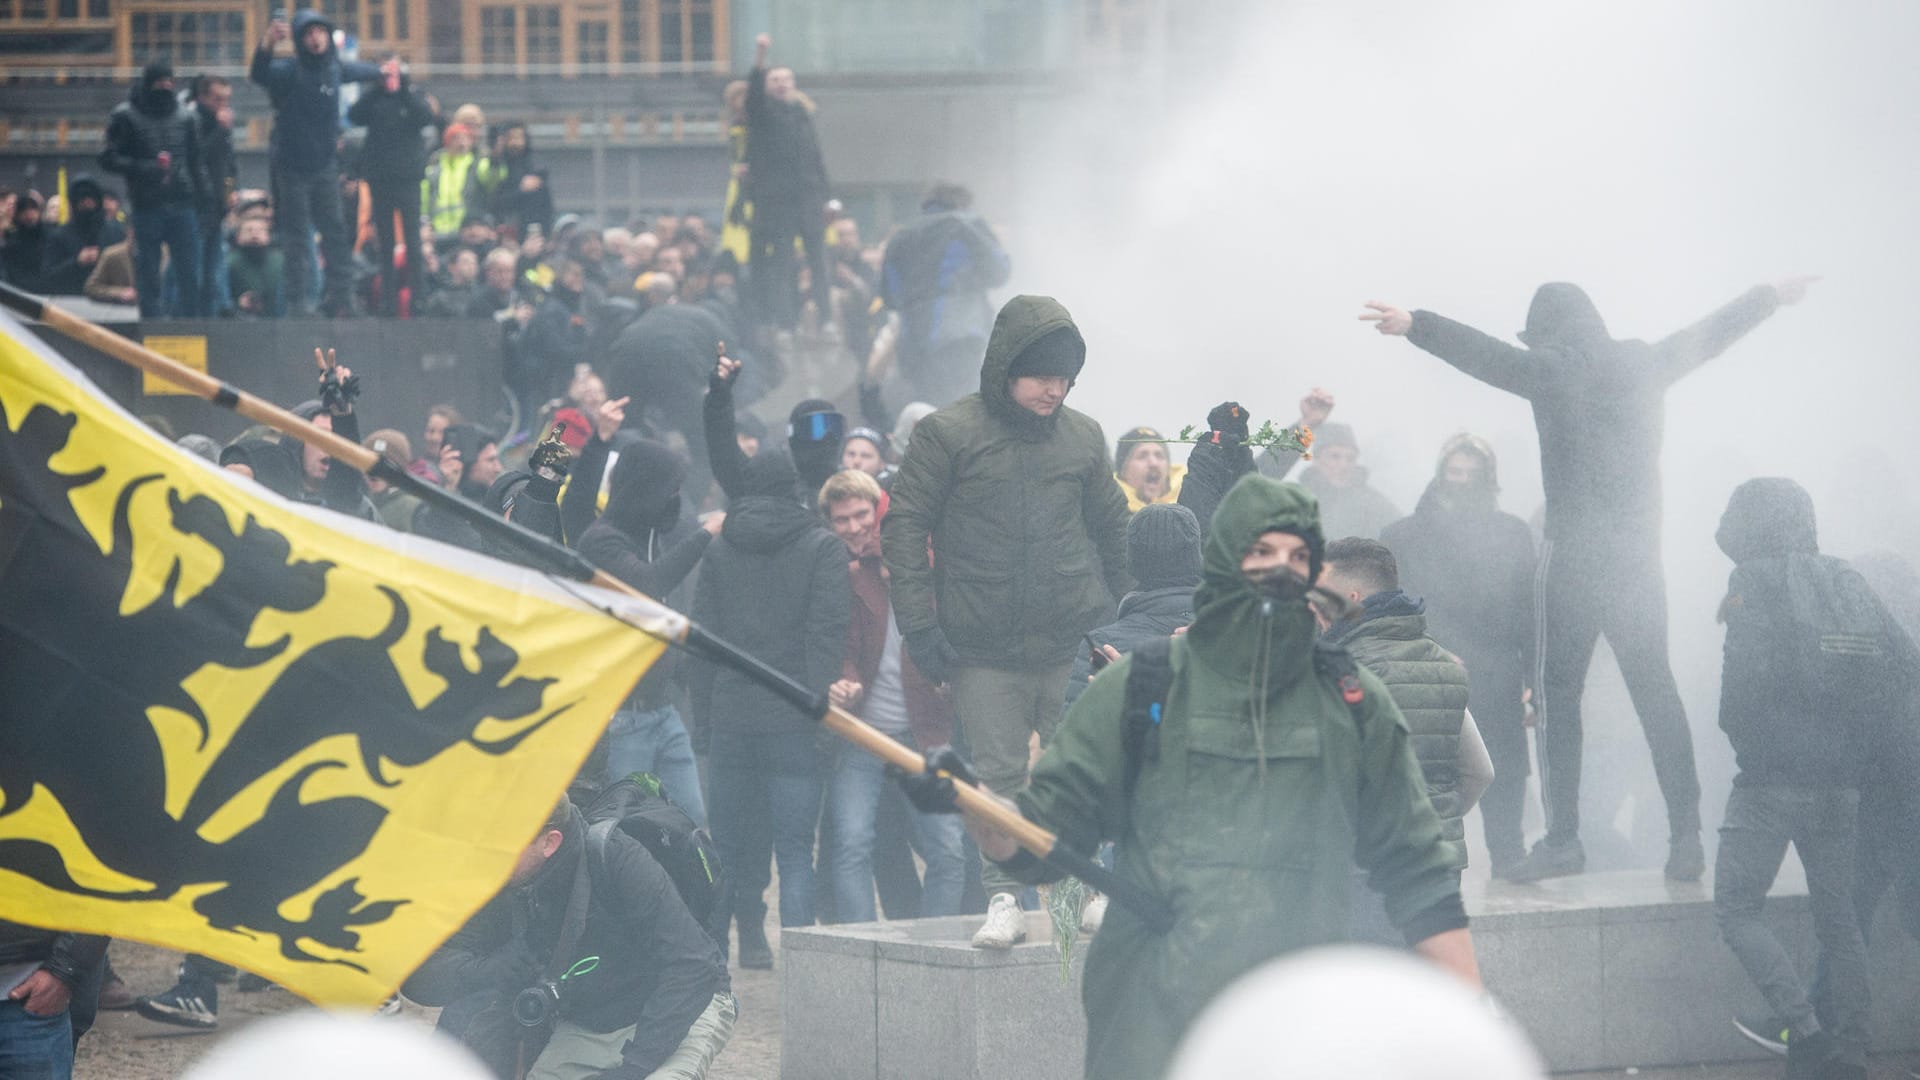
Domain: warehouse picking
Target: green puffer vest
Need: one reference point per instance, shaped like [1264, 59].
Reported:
[1430, 687]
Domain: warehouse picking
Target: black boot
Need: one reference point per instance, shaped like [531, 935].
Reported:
[755, 953]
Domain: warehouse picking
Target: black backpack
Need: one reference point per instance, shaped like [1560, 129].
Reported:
[636, 806]
[1150, 679]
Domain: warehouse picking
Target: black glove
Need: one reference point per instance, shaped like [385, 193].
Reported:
[1228, 421]
[931, 653]
[931, 790]
[336, 394]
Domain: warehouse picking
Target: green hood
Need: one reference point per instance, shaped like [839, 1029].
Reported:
[1021, 322]
[1227, 632]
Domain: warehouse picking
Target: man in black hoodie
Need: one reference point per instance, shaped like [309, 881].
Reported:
[522, 199]
[1473, 565]
[73, 249]
[775, 583]
[305, 153]
[658, 1001]
[1600, 405]
[393, 160]
[23, 248]
[154, 141]
[1818, 681]
[641, 539]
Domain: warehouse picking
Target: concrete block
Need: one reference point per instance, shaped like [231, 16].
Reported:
[1548, 978]
[828, 1029]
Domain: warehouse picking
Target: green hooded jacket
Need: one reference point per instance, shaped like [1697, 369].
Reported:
[1029, 530]
[1265, 794]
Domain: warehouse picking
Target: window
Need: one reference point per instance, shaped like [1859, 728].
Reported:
[33, 10]
[402, 20]
[190, 37]
[592, 35]
[633, 37]
[376, 20]
[99, 9]
[686, 31]
[345, 15]
[543, 33]
[499, 44]
[69, 9]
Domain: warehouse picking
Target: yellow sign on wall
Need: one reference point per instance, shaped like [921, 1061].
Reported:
[190, 350]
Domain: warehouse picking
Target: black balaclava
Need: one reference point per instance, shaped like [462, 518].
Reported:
[86, 222]
[152, 101]
[815, 459]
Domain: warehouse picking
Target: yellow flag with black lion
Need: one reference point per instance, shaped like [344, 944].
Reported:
[290, 740]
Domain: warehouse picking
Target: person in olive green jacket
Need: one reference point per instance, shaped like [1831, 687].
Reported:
[1266, 788]
[1029, 551]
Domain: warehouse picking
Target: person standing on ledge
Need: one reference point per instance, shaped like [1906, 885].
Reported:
[1274, 770]
[1600, 406]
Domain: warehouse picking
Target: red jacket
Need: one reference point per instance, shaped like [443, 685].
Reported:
[927, 711]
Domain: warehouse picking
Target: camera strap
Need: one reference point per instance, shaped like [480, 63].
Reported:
[573, 925]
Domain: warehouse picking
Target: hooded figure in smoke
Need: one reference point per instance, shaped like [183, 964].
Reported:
[1473, 564]
[1600, 406]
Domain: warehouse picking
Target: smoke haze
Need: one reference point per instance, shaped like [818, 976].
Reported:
[1215, 239]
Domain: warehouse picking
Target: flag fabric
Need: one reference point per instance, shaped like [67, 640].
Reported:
[264, 732]
[60, 189]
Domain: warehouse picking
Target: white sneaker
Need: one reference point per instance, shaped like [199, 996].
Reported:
[1006, 924]
[1094, 913]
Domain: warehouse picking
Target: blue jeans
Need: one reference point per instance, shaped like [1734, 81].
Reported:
[177, 227]
[655, 741]
[853, 801]
[34, 1047]
[766, 804]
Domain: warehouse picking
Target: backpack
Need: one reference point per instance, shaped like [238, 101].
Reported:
[1830, 640]
[636, 806]
[1150, 679]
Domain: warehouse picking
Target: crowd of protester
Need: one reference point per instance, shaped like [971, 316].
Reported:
[956, 572]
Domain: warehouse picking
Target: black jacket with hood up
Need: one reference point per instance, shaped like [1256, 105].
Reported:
[62, 273]
[640, 539]
[1599, 404]
[305, 90]
[775, 584]
[1785, 726]
[152, 121]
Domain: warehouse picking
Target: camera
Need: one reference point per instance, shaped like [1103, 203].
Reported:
[537, 1005]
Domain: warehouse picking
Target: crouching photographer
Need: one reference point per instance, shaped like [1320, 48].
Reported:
[588, 964]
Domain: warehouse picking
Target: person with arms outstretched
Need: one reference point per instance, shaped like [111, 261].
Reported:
[1600, 407]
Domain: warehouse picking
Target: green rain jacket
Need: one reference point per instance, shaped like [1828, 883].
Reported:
[1029, 530]
[1265, 794]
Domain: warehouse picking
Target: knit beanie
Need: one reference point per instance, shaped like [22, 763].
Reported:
[1058, 353]
[1131, 441]
[1163, 546]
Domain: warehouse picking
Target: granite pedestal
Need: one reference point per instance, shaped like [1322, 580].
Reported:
[1604, 971]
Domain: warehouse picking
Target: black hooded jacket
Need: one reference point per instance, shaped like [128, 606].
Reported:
[658, 968]
[642, 540]
[395, 151]
[305, 89]
[152, 121]
[23, 252]
[663, 359]
[1795, 620]
[1473, 565]
[1599, 403]
[775, 584]
[62, 272]
[522, 208]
